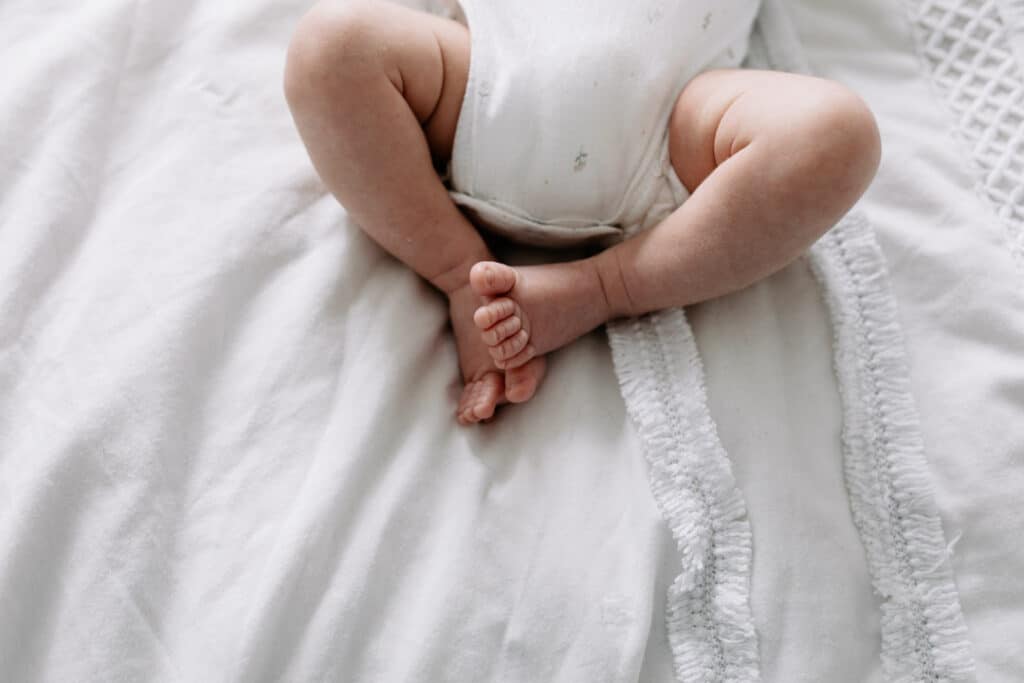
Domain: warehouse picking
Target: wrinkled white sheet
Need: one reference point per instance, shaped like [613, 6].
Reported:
[226, 445]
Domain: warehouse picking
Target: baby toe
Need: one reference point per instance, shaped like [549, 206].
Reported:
[480, 398]
[494, 312]
[467, 402]
[464, 412]
[521, 358]
[510, 347]
[483, 409]
[502, 331]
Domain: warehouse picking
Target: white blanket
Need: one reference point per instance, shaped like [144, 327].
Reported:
[227, 449]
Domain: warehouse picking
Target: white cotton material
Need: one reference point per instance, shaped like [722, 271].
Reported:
[563, 133]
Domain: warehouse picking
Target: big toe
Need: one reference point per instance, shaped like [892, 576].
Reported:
[521, 383]
[490, 278]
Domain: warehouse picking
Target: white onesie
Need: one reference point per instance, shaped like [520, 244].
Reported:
[563, 134]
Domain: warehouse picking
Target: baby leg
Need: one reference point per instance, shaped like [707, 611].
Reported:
[772, 160]
[375, 90]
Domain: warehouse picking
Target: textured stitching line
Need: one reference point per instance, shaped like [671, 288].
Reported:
[882, 444]
[704, 616]
[923, 633]
[708, 617]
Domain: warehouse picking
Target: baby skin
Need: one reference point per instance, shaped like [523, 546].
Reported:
[771, 161]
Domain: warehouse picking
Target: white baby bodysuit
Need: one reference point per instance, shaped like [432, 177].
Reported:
[563, 134]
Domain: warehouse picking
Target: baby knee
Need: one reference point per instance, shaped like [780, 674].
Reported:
[845, 131]
[333, 42]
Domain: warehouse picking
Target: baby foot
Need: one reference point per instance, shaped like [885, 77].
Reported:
[535, 309]
[484, 388]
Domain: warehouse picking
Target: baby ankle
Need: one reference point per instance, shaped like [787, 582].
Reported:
[455, 279]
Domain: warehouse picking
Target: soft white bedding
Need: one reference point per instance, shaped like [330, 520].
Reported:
[226, 443]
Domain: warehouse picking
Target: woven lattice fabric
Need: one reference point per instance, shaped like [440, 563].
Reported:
[965, 47]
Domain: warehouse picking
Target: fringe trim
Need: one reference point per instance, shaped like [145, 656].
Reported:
[924, 637]
[710, 627]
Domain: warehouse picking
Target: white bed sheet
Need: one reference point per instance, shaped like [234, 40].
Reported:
[226, 445]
